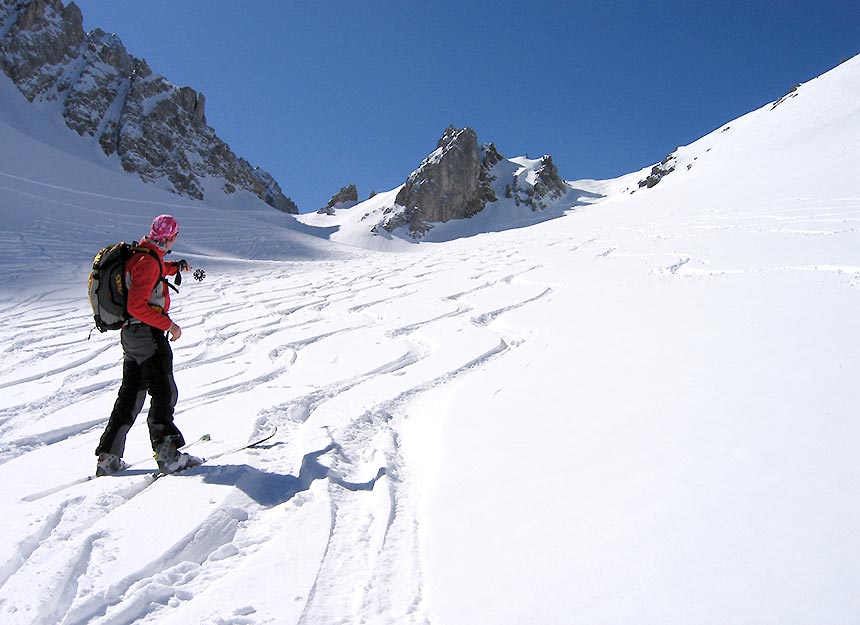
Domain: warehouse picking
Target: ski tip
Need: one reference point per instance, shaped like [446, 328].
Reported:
[267, 436]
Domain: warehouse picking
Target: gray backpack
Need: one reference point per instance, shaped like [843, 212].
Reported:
[106, 285]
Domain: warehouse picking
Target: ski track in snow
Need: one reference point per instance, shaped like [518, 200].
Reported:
[335, 365]
[337, 410]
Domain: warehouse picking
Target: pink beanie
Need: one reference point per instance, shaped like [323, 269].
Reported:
[164, 227]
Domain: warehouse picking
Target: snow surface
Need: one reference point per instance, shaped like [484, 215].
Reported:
[644, 411]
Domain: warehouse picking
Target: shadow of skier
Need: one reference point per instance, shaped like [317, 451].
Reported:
[272, 489]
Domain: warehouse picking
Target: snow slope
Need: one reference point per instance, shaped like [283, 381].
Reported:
[641, 412]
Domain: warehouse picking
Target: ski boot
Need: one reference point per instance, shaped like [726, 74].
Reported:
[171, 460]
[108, 464]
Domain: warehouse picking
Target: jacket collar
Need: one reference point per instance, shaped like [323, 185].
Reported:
[146, 242]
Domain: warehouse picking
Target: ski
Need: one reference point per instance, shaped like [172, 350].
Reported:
[253, 443]
[126, 471]
[129, 470]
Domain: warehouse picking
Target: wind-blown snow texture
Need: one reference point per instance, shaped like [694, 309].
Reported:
[644, 411]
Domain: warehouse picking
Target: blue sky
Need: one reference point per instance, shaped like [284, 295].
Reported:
[326, 93]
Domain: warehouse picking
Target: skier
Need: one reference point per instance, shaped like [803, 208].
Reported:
[148, 358]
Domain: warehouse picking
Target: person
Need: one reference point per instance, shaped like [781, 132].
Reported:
[147, 357]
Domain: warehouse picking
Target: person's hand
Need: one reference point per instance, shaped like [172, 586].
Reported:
[175, 332]
[184, 265]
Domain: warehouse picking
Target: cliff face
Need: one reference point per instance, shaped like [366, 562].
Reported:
[452, 183]
[156, 129]
[461, 178]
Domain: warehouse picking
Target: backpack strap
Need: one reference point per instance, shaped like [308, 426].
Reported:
[146, 250]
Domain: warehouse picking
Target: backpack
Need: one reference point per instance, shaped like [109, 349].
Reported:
[106, 285]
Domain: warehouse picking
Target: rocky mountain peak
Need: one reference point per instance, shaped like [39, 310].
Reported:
[451, 183]
[461, 179]
[156, 129]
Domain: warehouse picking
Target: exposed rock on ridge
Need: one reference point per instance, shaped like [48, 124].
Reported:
[345, 198]
[460, 179]
[659, 171]
[546, 188]
[452, 183]
[157, 130]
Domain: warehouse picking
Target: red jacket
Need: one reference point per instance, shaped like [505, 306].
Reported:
[148, 296]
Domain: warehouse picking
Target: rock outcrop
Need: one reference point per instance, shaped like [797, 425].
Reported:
[347, 197]
[546, 186]
[461, 179]
[452, 183]
[658, 172]
[156, 129]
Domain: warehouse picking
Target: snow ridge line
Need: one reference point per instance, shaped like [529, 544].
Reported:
[158, 582]
[30, 544]
[400, 525]
[15, 448]
[487, 317]
[66, 189]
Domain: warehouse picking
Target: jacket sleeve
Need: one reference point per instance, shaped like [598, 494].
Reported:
[144, 275]
[171, 268]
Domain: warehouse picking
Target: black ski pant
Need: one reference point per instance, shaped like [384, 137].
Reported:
[147, 368]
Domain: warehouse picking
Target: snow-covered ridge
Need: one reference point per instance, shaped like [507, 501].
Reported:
[516, 192]
[815, 111]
